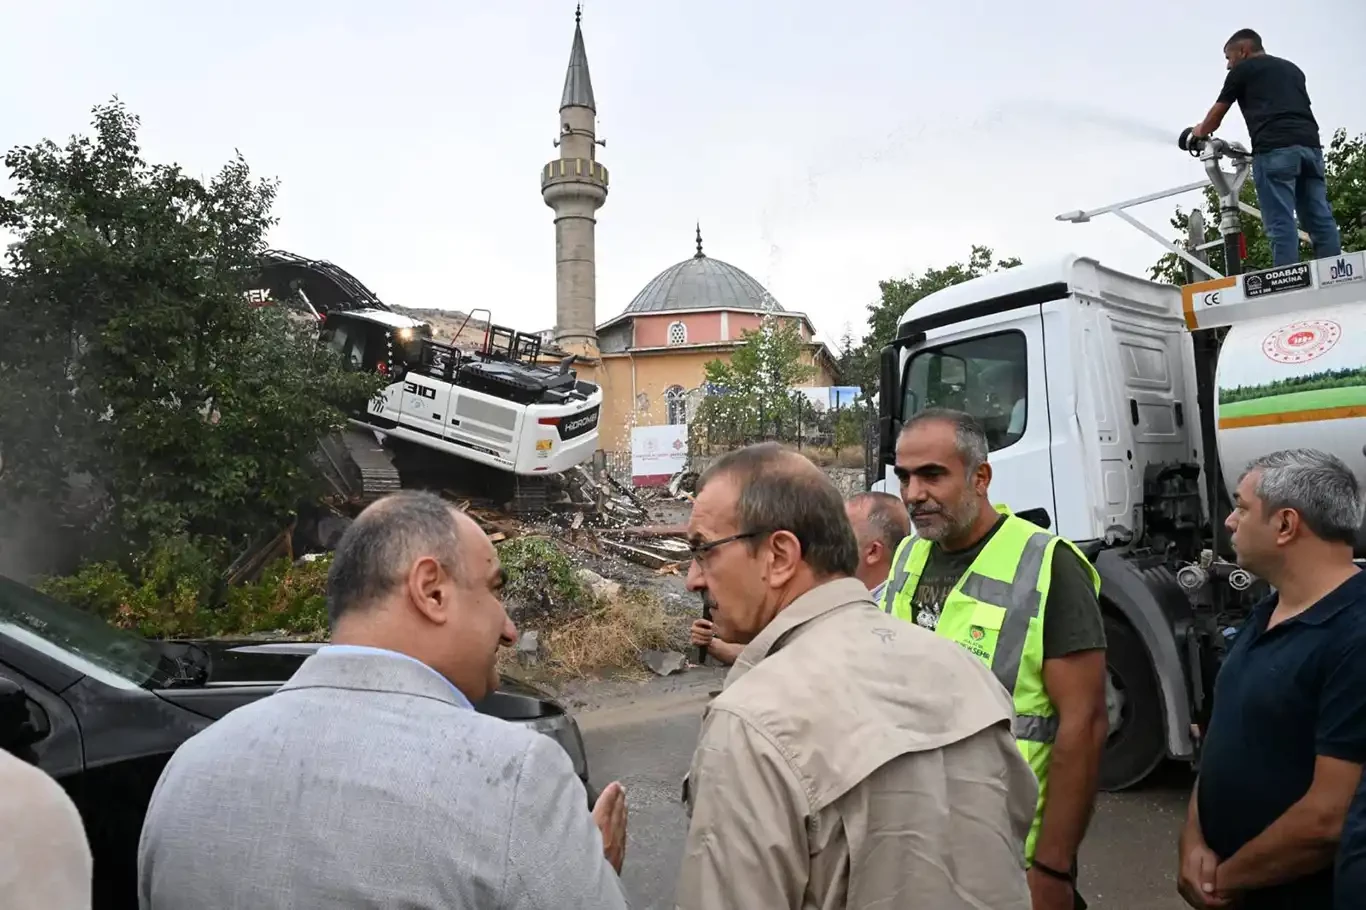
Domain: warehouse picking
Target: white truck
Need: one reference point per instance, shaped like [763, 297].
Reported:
[510, 421]
[1121, 412]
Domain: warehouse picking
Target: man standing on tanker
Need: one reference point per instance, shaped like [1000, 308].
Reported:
[1025, 602]
[1287, 156]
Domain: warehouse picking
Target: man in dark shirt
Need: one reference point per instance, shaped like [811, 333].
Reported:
[1287, 157]
[1287, 738]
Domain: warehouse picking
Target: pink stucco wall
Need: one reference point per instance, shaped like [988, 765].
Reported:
[653, 331]
[703, 328]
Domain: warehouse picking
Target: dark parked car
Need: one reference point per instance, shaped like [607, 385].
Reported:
[102, 710]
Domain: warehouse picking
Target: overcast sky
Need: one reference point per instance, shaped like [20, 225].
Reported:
[822, 146]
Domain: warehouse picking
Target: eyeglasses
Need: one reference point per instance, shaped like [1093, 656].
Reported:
[699, 551]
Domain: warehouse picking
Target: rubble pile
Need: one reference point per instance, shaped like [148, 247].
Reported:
[590, 510]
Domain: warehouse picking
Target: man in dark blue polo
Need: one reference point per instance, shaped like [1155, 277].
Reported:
[1287, 739]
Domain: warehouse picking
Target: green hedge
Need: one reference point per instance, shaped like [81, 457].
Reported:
[163, 595]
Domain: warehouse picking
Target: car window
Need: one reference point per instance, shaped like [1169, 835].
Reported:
[78, 639]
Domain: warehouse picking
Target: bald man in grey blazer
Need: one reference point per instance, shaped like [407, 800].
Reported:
[368, 781]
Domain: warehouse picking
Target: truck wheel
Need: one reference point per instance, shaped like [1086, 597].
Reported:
[1136, 743]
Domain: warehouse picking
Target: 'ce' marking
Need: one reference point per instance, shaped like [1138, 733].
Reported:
[1210, 299]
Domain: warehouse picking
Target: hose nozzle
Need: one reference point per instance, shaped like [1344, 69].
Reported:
[1189, 142]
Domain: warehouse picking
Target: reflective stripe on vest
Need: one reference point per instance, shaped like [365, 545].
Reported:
[1020, 599]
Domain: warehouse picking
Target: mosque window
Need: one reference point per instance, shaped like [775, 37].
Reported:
[678, 333]
[676, 405]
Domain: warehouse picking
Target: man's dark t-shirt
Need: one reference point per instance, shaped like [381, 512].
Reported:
[1072, 620]
[1275, 103]
[1283, 697]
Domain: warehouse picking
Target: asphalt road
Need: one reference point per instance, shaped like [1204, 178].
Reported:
[644, 737]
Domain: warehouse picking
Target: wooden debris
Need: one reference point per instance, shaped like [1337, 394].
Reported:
[645, 531]
[637, 555]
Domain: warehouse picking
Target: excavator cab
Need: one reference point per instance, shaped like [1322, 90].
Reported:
[366, 342]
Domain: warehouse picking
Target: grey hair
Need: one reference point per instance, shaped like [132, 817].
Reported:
[970, 437]
[375, 553]
[1317, 485]
[886, 516]
[781, 490]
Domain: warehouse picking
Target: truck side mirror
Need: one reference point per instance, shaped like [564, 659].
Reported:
[888, 398]
[1037, 516]
[22, 722]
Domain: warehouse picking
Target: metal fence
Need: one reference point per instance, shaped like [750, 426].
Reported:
[843, 437]
[799, 424]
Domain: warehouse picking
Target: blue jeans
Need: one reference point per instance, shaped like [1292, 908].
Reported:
[1290, 181]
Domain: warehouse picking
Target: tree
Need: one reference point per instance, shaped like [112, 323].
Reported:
[898, 294]
[751, 396]
[1345, 170]
[131, 358]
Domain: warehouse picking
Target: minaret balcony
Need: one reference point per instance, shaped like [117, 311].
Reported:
[574, 170]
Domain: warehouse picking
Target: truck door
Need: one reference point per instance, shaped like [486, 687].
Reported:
[996, 374]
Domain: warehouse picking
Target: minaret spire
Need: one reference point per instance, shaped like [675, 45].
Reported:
[578, 85]
[575, 186]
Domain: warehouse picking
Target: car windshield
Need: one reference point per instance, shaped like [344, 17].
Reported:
[79, 639]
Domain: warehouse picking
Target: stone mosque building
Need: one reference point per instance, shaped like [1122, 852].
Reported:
[650, 358]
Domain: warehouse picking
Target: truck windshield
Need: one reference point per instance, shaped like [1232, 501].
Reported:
[984, 376]
[78, 639]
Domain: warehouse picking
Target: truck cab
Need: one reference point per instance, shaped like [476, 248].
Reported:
[1081, 376]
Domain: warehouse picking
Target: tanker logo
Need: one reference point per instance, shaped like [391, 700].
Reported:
[1348, 267]
[1301, 342]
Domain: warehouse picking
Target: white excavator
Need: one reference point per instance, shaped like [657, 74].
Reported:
[1120, 414]
[505, 423]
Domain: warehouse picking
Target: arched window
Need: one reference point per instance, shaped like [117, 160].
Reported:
[678, 333]
[675, 404]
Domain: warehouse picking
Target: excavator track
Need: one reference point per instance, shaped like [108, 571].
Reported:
[364, 467]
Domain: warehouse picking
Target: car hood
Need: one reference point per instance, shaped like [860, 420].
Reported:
[261, 667]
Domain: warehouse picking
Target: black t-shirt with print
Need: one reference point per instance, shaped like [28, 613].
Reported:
[1072, 620]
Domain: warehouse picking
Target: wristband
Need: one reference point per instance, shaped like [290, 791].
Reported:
[1053, 873]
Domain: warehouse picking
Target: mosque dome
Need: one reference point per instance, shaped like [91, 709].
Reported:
[703, 283]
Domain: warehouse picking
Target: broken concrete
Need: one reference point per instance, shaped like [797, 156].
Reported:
[529, 648]
[664, 663]
[601, 588]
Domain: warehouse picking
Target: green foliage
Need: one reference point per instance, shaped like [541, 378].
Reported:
[751, 396]
[541, 577]
[860, 365]
[131, 355]
[851, 424]
[1345, 172]
[1345, 378]
[166, 592]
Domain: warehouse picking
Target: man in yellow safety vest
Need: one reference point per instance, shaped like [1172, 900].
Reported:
[1024, 601]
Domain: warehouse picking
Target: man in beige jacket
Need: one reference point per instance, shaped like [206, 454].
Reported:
[851, 761]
